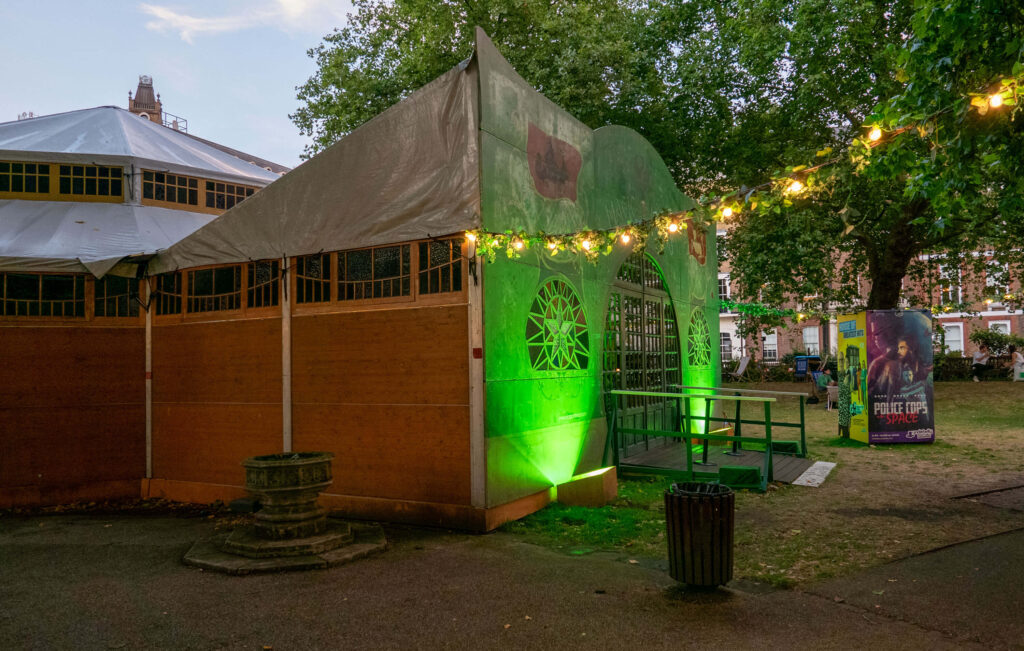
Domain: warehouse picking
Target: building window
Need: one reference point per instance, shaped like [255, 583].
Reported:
[91, 180]
[811, 341]
[954, 337]
[1002, 327]
[168, 293]
[116, 296]
[43, 295]
[770, 345]
[263, 281]
[723, 293]
[225, 195]
[725, 345]
[950, 292]
[25, 177]
[313, 278]
[172, 188]
[213, 290]
[382, 272]
[995, 281]
[440, 266]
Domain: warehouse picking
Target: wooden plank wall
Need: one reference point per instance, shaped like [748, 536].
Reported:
[72, 411]
[386, 390]
[216, 398]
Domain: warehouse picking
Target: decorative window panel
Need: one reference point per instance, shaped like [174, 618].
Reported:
[263, 283]
[214, 290]
[382, 272]
[173, 188]
[43, 295]
[168, 293]
[640, 269]
[557, 337]
[117, 296]
[440, 266]
[313, 278]
[25, 177]
[225, 195]
[91, 180]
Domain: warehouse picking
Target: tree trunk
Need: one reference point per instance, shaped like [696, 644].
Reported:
[889, 261]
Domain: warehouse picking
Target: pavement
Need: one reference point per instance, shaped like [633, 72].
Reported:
[117, 582]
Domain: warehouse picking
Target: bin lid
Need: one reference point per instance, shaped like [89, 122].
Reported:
[699, 489]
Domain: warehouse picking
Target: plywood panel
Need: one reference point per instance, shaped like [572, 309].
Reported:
[207, 442]
[71, 445]
[53, 367]
[399, 356]
[407, 452]
[225, 361]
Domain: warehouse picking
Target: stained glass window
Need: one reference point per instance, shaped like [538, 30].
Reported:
[440, 266]
[556, 329]
[263, 283]
[382, 272]
[313, 278]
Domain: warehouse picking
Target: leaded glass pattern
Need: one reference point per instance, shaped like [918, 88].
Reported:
[313, 278]
[640, 269]
[42, 294]
[116, 297]
[382, 272]
[556, 329]
[213, 290]
[263, 283]
[440, 266]
[698, 340]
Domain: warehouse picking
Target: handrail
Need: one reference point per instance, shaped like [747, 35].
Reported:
[765, 391]
[664, 394]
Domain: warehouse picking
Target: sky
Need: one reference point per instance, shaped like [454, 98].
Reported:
[229, 67]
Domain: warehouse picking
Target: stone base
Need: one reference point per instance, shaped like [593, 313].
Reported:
[208, 554]
[248, 541]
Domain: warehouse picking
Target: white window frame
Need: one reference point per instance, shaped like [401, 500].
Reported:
[723, 339]
[812, 347]
[770, 345]
[947, 285]
[959, 327]
[1006, 324]
[995, 289]
[728, 291]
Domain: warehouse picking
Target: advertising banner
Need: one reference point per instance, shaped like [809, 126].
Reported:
[899, 376]
[852, 372]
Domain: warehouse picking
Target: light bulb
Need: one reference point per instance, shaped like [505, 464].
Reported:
[795, 187]
[471, 237]
[727, 212]
[995, 100]
[518, 244]
[552, 245]
[673, 227]
[875, 134]
[625, 238]
[585, 244]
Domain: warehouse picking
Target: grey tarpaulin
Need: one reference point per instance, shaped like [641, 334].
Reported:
[75, 237]
[409, 173]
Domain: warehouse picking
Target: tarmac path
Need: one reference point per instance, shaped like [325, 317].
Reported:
[117, 582]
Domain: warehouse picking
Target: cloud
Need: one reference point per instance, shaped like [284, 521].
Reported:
[318, 16]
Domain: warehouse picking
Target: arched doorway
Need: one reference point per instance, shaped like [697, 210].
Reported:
[641, 351]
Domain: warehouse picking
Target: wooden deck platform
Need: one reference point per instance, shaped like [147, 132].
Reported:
[673, 457]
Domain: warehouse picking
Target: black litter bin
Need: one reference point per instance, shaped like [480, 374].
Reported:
[700, 519]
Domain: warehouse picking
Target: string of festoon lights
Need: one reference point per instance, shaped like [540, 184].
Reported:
[795, 182]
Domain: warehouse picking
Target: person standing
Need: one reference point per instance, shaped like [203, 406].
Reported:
[980, 362]
[1017, 361]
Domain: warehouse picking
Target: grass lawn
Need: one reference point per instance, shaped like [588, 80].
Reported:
[880, 503]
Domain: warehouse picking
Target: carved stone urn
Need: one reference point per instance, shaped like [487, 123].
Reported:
[287, 486]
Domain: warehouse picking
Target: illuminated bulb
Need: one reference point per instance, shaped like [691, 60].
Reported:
[673, 227]
[727, 212]
[795, 187]
[800, 317]
[988, 301]
[518, 244]
[995, 100]
[875, 134]
[585, 244]
[471, 237]
[552, 245]
[625, 238]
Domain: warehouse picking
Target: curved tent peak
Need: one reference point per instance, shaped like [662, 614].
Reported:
[114, 133]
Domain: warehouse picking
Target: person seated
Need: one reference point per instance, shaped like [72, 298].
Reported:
[824, 381]
[979, 362]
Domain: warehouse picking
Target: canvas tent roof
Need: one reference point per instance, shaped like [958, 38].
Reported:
[65, 236]
[110, 135]
[452, 156]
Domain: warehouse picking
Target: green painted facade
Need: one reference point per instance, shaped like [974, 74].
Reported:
[545, 424]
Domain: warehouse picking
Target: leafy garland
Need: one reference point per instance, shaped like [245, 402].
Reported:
[770, 197]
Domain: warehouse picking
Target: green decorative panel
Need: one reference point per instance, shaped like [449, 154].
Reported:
[698, 340]
[556, 330]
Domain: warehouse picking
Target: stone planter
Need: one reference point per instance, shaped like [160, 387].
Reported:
[287, 486]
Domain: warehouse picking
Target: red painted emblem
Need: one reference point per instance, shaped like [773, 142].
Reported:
[698, 241]
[554, 165]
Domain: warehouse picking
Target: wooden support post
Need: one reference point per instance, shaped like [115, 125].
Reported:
[477, 439]
[286, 358]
